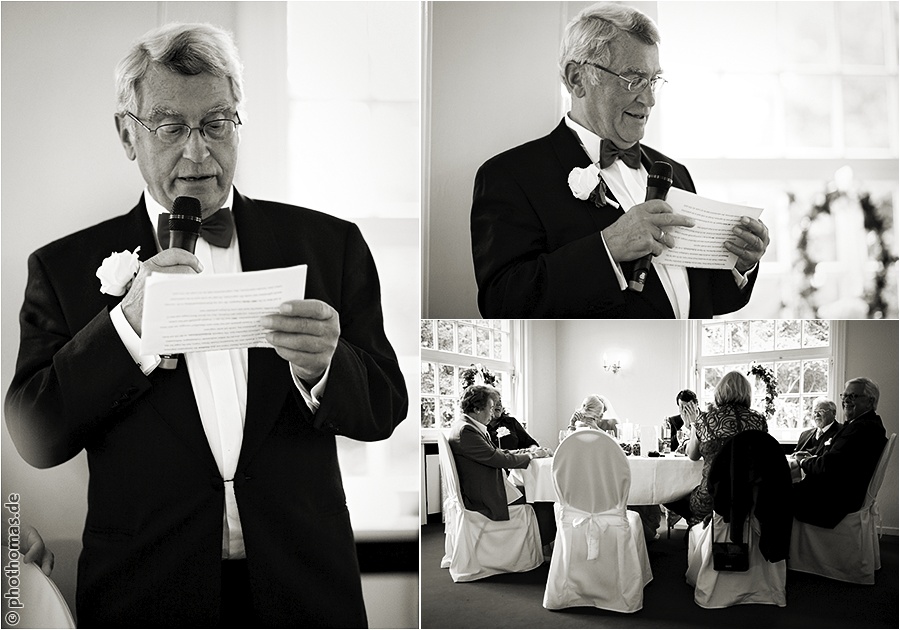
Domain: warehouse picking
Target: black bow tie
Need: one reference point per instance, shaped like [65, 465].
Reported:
[609, 152]
[216, 230]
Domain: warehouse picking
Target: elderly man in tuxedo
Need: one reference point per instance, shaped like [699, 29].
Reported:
[215, 496]
[817, 440]
[835, 481]
[541, 252]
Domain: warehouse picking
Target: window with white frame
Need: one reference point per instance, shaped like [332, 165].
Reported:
[798, 97]
[800, 353]
[449, 346]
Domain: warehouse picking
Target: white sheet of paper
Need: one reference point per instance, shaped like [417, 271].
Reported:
[701, 246]
[199, 313]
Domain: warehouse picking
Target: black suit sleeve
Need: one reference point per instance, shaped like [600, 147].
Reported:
[68, 383]
[365, 397]
[520, 272]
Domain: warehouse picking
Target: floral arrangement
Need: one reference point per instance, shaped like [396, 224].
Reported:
[477, 374]
[585, 183]
[767, 376]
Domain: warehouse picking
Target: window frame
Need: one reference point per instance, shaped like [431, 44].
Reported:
[835, 353]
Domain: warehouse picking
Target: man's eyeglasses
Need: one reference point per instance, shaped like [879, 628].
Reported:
[851, 397]
[176, 133]
[636, 83]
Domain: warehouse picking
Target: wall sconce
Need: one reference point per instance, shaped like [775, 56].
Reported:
[611, 366]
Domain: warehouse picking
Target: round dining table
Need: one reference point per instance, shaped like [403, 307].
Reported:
[654, 480]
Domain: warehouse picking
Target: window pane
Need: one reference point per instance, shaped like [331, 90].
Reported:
[427, 384]
[426, 333]
[787, 334]
[862, 38]
[815, 376]
[445, 336]
[466, 341]
[808, 110]
[787, 375]
[788, 414]
[866, 116]
[738, 337]
[762, 335]
[805, 32]
[713, 339]
[427, 412]
[447, 380]
[816, 333]
[484, 342]
[448, 412]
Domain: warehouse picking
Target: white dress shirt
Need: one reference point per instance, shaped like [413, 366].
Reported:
[629, 187]
[219, 381]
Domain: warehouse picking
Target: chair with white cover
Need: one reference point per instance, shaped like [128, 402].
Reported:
[600, 555]
[43, 606]
[850, 551]
[476, 547]
[760, 479]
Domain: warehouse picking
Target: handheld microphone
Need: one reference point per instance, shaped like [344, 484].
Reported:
[659, 180]
[184, 223]
[184, 228]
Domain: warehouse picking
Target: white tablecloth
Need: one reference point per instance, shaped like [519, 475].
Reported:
[653, 479]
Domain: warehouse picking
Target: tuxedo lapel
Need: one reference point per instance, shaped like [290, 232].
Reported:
[268, 378]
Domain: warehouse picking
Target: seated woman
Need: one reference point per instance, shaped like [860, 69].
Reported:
[591, 415]
[506, 432]
[730, 416]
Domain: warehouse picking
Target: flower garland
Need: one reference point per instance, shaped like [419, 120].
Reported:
[877, 222]
[767, 376]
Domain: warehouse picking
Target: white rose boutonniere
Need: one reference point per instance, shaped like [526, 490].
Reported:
[583, 181]
[117, 271]
[502, 432]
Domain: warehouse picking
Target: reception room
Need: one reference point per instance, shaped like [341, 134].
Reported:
[546, 370]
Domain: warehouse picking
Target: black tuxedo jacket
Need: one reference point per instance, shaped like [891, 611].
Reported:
[809, 443]
[675, 423]
[836, 481]
[152, 541]
[480, 466]
[538, 252]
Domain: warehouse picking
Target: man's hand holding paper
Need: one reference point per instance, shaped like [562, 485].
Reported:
[724, 235]
[305, 333]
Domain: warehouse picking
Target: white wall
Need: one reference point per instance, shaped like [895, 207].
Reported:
[63, 169]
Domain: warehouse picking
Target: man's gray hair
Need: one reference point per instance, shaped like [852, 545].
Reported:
[188, 49]
[870, 388]
[588, 35]
[477, 397]
[827, 403]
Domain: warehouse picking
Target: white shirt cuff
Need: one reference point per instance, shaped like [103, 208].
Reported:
[617, 268]
[740, 278]
[313, 397]
[146, 362]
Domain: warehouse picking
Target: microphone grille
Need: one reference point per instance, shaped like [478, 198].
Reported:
[186, 215]
[659, 171]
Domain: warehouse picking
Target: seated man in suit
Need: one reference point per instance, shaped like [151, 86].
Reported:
[541, 252]
[835, 482]
[215, 495]
[675, 423]
[817, 440]
[482, 482]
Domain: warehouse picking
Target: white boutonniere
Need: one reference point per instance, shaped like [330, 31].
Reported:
[502, 432]
[585, 183]
[117, 271]
[828, 442]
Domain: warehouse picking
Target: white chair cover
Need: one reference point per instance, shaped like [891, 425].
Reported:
[850, 551]
[474, 545]
[43, 604]
[600, 556]
[763, 583]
